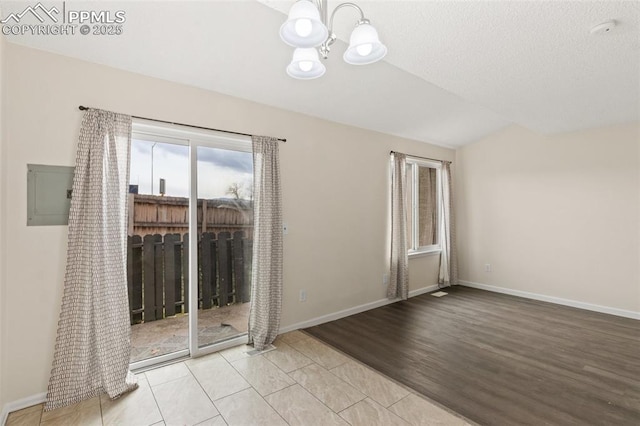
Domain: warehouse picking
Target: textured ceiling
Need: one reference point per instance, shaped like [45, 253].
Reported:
[535, 63]
[455, 72]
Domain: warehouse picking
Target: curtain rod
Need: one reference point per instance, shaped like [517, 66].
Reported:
[424, 158]
[84, 108]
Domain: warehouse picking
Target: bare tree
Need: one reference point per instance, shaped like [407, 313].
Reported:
[235, 189]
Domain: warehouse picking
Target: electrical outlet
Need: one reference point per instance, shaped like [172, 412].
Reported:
[487, 267]
[385, 280]
[303, 295]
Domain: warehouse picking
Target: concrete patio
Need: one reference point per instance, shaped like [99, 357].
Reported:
[172, 334]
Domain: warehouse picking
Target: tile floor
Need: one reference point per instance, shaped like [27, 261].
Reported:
[302, 382]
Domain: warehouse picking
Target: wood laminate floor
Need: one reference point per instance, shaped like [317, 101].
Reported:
[502, 360]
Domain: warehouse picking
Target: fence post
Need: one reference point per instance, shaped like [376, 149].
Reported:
[185, 273]
[130, 277]
[131, 213]
[208, 269]
[170, 274]
[224, 265]
[148, 252]
[178, 271]
[135, 275]
[238, 266]
[248, 258]
[159, 275]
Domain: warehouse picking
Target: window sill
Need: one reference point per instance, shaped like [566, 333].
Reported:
[424, 253]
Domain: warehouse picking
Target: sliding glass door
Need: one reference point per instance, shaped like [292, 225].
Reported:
[158, 229]
[190, 233]
[225, 227]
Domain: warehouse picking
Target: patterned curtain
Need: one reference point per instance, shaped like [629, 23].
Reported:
[266, 288]
[93, 343]
[399, 274]
[448, 274]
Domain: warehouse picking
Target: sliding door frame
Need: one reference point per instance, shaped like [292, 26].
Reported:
[193, 138]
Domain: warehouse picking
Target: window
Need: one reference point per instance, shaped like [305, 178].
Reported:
[423, 206]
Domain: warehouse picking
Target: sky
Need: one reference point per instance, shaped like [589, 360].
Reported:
[217, 170]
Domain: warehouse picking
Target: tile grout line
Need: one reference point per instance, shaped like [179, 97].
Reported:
[340, 379]
[369, 368]
[295, 383]
[301, 354]
[350, 384]
[377, 403]
[254, 357]
[156, 401]
[272, 407]
[101, 412]
[397, 402]
[199, 385]
[346, 408]
[171, 380]
[304, 366]
[256, 390]
[208, 396]
[317, 399]
[379, 374]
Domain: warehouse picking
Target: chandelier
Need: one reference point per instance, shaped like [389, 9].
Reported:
[306, 30]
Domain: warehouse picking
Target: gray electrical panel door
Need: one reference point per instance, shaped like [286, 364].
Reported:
[48, 194]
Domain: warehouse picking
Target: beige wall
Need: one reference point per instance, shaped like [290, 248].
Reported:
[557, 216]
[2, 239]
[335, 181]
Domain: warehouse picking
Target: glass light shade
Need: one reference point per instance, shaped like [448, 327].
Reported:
[303, 27]
[364, 46]
[306, 64]
[364, 49]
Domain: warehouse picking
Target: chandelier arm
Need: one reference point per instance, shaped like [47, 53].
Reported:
[322, 6]
[324, 10]
[340, 6]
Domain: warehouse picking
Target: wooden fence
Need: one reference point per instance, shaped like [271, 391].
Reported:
[158, 273]
[153, 214]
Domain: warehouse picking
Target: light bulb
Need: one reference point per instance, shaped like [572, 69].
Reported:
[303, 27]
[364, 49]
[305, 65]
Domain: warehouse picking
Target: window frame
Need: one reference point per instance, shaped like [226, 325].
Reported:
[413, 164]
[184, 135]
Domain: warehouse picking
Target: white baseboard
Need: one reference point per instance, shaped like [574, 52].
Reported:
[352, 311]
[552, 299]
[20, 404]
[41, 397]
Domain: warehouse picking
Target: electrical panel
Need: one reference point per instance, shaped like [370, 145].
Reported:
[48, 194]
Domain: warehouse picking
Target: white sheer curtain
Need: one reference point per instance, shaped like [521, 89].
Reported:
[266, 286]
[399, 273]
[93, 342]
[448, 274]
